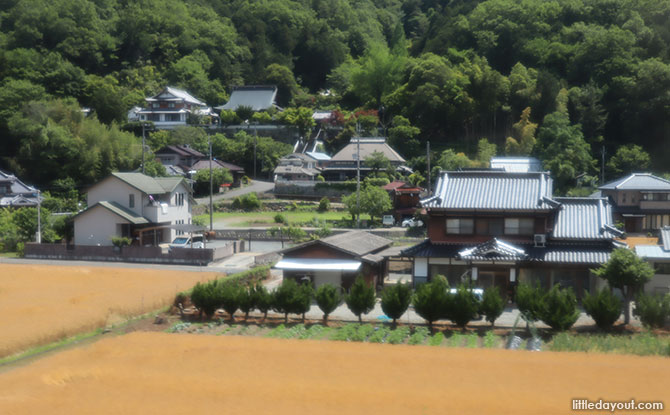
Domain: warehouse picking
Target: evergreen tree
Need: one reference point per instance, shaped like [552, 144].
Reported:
[396, 299]
[328, 298]
[361, 298]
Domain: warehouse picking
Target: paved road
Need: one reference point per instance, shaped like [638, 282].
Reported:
[257, 186]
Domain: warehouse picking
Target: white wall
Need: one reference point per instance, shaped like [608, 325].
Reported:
[327, 277]
[96, 227]
[420, 267]
[660, 284]
[112, 189]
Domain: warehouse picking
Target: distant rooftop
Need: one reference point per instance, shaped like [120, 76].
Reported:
[174, 94]
[638, 181]
[257, 97]
[149, 185]
[516, 164]
[368, 145]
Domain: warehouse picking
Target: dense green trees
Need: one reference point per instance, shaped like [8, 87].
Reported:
[451, 73]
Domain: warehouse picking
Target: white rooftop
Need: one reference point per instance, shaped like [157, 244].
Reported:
[318, 264]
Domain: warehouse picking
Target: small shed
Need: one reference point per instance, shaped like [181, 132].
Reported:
[337, 259]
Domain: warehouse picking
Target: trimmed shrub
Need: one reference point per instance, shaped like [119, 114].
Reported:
[207, 297]
[20, 249]
[231, 293]
[279, 218]
[652, 310]
[529, 301]
[431, 300]
[262, 299]
[492, 305]
[324, 204]
[247, 202]
[463, 306]
[121, 241]
[328, 297]
[604, 307]
[304, 300]
[559, 310]
[246, 301]
[284, 298]
[361, 298]
[396, 300]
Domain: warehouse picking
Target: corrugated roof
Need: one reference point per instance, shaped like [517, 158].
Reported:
[258, 97]
[119, 210]
[358, 243]
[583, 218]
[318, 156]
[149, 185]
[586, 254]
[491, 190]
[516, 164]
[665, 238]
[368, 145]
[318, 264]
[638, 181]
[652, 252]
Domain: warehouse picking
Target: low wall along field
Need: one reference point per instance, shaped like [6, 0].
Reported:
[41, 303]
[160, 373]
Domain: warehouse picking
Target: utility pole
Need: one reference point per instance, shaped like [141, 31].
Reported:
[143, 148]
[358, 178]
[255, 144]
[430, 190]
[211, 187]
[38, 237]
[602, 166]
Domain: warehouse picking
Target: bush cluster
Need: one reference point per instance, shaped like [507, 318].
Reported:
[653, 310]
[247, 202]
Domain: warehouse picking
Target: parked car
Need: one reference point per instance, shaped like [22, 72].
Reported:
[388, 220]
[185, 242]
[412, 223]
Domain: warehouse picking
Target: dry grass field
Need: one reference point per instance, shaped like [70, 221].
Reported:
[42, 303]
[159, 373]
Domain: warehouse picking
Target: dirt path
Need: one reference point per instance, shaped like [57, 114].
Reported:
[157, 373]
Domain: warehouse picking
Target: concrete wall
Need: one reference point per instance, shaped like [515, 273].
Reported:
[96, 227]
[151, 254]
[115, 190]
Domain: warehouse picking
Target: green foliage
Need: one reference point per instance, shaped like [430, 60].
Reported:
[287, 298]
[121, 241]
[436, 339]
[304, 300]
[324, 204]
[419, 336]
[463, 306]
[604, 307]
[653, 310]
[374, 201]
[628, 159]
[643, 344]
[262, 299]
[492, 305]
[431, 300]
[328, 298]
[301, 118]
[247, 202]
[231, 296]
[396, 299]
[559, 308]
[246, 300]
[207, 297]
[377, 161]
[398, 335]
[361, 297]
[219, 177]
[523, 140]
[529, 301]
[279, 218]
[20, 249]
[627, 272]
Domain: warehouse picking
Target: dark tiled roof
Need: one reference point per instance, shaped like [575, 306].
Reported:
[584, 218]
[638, 181]
[180, 150]
[176, 93]
[150, 185]
[120, 211]
[584, 253]
[493, 250]
[357, 242]
[492, 190]
[204, 164]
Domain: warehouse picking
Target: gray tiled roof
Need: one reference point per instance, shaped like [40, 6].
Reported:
[204, 164]
[584, 218]
[258, 97]
[180, 150]
[177, 93]
[492, 190]
[119, 210]
[586, 254]
[493, 249]
[652, 252]
[289, 169]
[368, 145]
[150, 185]
[638, 181]
[357, 242]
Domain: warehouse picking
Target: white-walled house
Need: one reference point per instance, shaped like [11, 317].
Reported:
[136, 206]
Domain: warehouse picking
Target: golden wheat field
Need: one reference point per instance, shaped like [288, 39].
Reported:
[159, 373]
[42, 303]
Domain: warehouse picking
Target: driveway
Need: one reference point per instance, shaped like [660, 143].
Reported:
[257, 186]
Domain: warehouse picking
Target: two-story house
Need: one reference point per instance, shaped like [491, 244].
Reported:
[186, 161]
[344, 164]
[136, 206]
[15, 193]
[641, 202]
[172, 107]
[296, 167]
[405, 198]
[498, 228]
[658, 257]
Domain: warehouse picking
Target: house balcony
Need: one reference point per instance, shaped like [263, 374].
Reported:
[655, 205]
[164, 212]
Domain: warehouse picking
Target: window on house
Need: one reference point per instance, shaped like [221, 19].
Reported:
[173, 117]
[131, 201]
[155, 105]
[489, 226]
[460, 226]
[623, 197]
[519, 226]
[154, 117]
[662, 268]
[171, 105]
